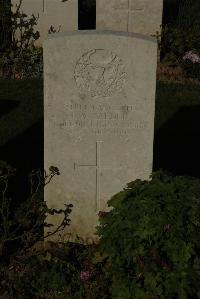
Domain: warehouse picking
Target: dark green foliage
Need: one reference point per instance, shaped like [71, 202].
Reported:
[191, 69]
[149, 246]
[181, 13]
[44, 274]
[56, 273]
[22, 228]
[152, 239]
[28, 267]
[188, 14]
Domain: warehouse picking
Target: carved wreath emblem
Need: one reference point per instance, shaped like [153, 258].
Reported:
[100, 73]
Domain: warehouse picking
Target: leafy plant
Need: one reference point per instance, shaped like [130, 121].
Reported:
[151, 239]
[22, 230]
[30, 268]
[25, 225]
[19, 57]
[57, 272]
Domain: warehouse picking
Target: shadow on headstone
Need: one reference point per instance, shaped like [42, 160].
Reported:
[24, 152]
[177, 143]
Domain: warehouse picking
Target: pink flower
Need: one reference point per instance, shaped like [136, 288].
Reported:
[192, 57]
[17, 76]
[85, 275]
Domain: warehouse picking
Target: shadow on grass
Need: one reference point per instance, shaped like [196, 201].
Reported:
[7, 106]
[25, 152]
[177, 143]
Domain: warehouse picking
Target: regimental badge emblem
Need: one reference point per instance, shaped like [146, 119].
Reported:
[100, 73]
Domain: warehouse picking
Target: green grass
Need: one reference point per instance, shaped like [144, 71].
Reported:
[28, 95]
[16, 89]
[21, 131]
[177, 129]
[170, 97]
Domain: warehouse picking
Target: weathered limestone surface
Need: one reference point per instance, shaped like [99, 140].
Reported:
[63, 15]
[99, 90]
[140, 16]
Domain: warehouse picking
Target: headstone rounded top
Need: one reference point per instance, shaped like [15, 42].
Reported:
[100, 73]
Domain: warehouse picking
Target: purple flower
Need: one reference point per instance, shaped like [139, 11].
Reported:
[192, 57]
[85, 275]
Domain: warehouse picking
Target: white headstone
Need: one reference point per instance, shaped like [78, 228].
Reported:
[99, 90]
[140, 16]
[62, 16]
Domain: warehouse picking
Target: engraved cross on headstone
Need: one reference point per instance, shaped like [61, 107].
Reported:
[132, 8]
[99, 169]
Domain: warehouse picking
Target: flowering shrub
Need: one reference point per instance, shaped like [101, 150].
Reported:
[151, 239]
[191, 64]
[174, 42]
[149, 247]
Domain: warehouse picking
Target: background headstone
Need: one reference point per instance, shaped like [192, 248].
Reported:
[99, 90]
[140, 16]
[63, 15]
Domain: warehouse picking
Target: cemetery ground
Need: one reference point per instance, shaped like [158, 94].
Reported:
[42, 273]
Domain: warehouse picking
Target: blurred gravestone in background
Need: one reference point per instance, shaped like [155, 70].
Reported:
[138, 16]
[52, 15]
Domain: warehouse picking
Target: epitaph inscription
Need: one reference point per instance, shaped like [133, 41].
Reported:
[100, 73]
[99, 119]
